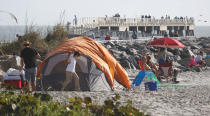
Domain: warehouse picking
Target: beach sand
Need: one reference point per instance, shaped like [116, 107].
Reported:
[191, 97]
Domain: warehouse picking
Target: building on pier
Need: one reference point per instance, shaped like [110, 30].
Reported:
[177, 27]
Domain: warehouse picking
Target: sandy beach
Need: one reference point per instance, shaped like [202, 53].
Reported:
[191, 97]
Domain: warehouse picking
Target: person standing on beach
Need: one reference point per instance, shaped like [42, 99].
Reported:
[28, 58]
[70, 71]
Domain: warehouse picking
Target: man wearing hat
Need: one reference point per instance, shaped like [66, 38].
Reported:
[28, 58]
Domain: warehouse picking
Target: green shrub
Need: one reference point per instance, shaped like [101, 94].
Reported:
[43, 45]
[16, 46]
[42, 105]
[58, 35]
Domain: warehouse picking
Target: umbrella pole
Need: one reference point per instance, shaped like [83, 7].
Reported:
[165, 52]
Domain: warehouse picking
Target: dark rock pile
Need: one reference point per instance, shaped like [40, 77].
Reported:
[9, 61]
[127, 53]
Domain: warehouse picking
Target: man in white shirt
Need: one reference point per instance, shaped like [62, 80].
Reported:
[199, 59]
[70, 71]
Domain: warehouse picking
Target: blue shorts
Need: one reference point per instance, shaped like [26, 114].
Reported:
[30, 74]
[161, 61]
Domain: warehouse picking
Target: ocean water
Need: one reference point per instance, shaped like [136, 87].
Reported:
[8, 33]
[202, 31]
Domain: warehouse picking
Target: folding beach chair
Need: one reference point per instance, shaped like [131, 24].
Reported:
[166, 71]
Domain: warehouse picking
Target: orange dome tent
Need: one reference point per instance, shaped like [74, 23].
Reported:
[96, 68]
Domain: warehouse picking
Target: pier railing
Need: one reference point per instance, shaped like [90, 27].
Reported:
[117, 21]
[141, 39]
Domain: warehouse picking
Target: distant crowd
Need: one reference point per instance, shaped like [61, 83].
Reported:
[167, 17]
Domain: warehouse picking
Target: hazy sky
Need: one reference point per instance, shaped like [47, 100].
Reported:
[47, 12]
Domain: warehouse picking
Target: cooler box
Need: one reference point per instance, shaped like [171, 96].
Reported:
[13, 77]
[16, 83]
[151, 85]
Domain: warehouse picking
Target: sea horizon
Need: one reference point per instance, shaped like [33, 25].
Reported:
[8, 32]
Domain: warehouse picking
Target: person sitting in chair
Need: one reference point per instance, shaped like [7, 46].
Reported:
[151, 64]
[167, 70]
[200, 59]
[145, 65]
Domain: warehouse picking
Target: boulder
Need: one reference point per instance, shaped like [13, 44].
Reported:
[206, 45]
[206, 50]
[139, 46]
[110, 43]
[143, 47]
[132, 51]
[9, 61]
[152, 49]
[133, 61]
[171, 50]
[108, 46]
[124, 55]
[186, 53]
[169, 53]
[125, 64]
[132, 66]
[176, 58]
[176, 64]
[122, 48]
[184, 62]
[115, 52]
[194, 47]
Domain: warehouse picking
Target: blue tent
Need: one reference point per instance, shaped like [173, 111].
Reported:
[149, 74]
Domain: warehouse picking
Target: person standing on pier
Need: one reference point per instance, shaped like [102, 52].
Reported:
[134, 36]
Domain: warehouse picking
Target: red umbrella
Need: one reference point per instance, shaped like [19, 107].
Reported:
[166, 42]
